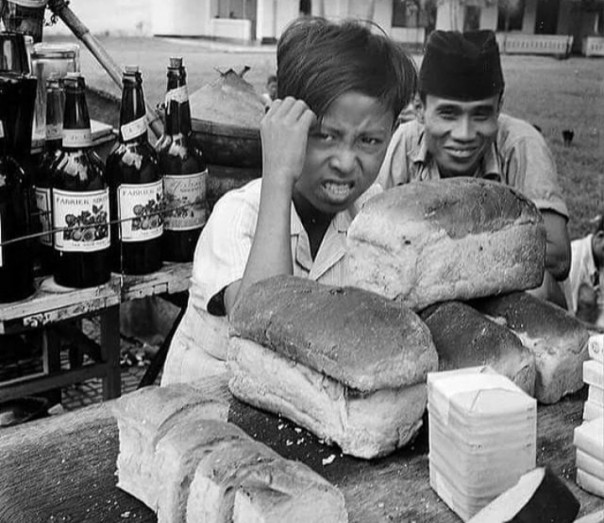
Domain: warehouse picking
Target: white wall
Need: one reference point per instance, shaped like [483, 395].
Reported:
[181, 17]
[117, 17]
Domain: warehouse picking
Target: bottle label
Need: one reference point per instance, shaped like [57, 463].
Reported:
[54, 131]
[139, 209]
[45, 213]
[180, 95]
[185, 197]
[1, 129]
[134, 129]
[84, 218]
[77, 138]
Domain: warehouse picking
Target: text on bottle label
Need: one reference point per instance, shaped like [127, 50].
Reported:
[139, 210]
[134, 129]
[75, 138]
[86, 219]
[185, 197]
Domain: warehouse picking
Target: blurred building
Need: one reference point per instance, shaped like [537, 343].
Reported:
[556, 27]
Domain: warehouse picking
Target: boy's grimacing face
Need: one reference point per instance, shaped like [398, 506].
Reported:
[345, 151]
[458, 133]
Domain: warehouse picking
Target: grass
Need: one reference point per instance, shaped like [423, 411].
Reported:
[554, 94]
[565, 94]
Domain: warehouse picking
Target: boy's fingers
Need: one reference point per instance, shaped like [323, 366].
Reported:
[289, 108]
[308, 119]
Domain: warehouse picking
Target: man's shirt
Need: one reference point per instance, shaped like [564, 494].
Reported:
[583, 270]
[518, 157]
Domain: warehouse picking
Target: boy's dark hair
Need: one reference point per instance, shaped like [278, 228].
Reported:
[319, 60]
[600, 223]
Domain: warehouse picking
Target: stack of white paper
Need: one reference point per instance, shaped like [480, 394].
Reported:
[589, 440]
[593, 375]
[483, 436]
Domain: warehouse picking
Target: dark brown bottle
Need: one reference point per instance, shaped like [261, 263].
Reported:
[80, 198]
[55, 100]
[135, 187]
[184, 172]
[16, 266]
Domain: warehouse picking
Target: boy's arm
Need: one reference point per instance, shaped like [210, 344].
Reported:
[284, 132]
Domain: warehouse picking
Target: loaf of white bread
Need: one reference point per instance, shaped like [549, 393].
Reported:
[450, 239]
[347, 364]
[466, 338]
[180, 456]
[557, 339]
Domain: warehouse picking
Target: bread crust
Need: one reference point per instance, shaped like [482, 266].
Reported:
[451, 239]
[465, 338]
[556, 338]
[356, 337]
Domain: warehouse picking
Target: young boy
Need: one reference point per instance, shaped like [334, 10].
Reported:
[582, 288]
[340, 89]
[271, 91]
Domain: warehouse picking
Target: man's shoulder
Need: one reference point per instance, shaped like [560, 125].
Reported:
[406, 138]
[409, 130]
[512, 129]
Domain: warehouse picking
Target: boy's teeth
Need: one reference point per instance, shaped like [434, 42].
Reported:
[338, 188]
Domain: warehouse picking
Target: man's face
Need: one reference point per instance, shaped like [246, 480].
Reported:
[345, 151]
[271, 88]
[458, 133]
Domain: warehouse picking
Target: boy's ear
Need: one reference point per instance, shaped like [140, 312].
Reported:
[420, 109]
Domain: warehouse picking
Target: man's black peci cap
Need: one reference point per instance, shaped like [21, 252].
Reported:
[461, 66]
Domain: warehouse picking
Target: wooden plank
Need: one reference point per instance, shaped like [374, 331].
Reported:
[66, 464]
[170, 279]
[28, 385]
[52, 303]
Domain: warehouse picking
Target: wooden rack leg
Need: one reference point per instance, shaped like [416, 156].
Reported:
[110, 351]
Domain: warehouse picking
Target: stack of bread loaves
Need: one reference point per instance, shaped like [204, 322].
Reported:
[347, 364]
[429, 244]
[180, 456]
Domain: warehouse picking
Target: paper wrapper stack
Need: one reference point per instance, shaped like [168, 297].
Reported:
[589, 437]
[483, 436]
[593, 376]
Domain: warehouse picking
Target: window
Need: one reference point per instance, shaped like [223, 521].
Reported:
[406, 13]
[509, 15]
[471, 21]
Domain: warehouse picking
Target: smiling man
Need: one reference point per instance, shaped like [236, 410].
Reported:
[460, 131]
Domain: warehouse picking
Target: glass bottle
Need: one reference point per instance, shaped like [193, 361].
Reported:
[135, 185]
[55, 101]
[184, 172]
[80, 198]
[16, 266]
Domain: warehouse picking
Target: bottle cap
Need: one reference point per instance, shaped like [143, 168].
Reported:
[175, 62]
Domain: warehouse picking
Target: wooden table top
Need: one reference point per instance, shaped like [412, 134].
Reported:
[63, 468]
[52, 303]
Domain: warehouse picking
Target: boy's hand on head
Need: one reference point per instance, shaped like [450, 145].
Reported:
[284, 132]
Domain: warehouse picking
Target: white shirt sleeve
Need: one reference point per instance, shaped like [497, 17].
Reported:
[224, 246]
